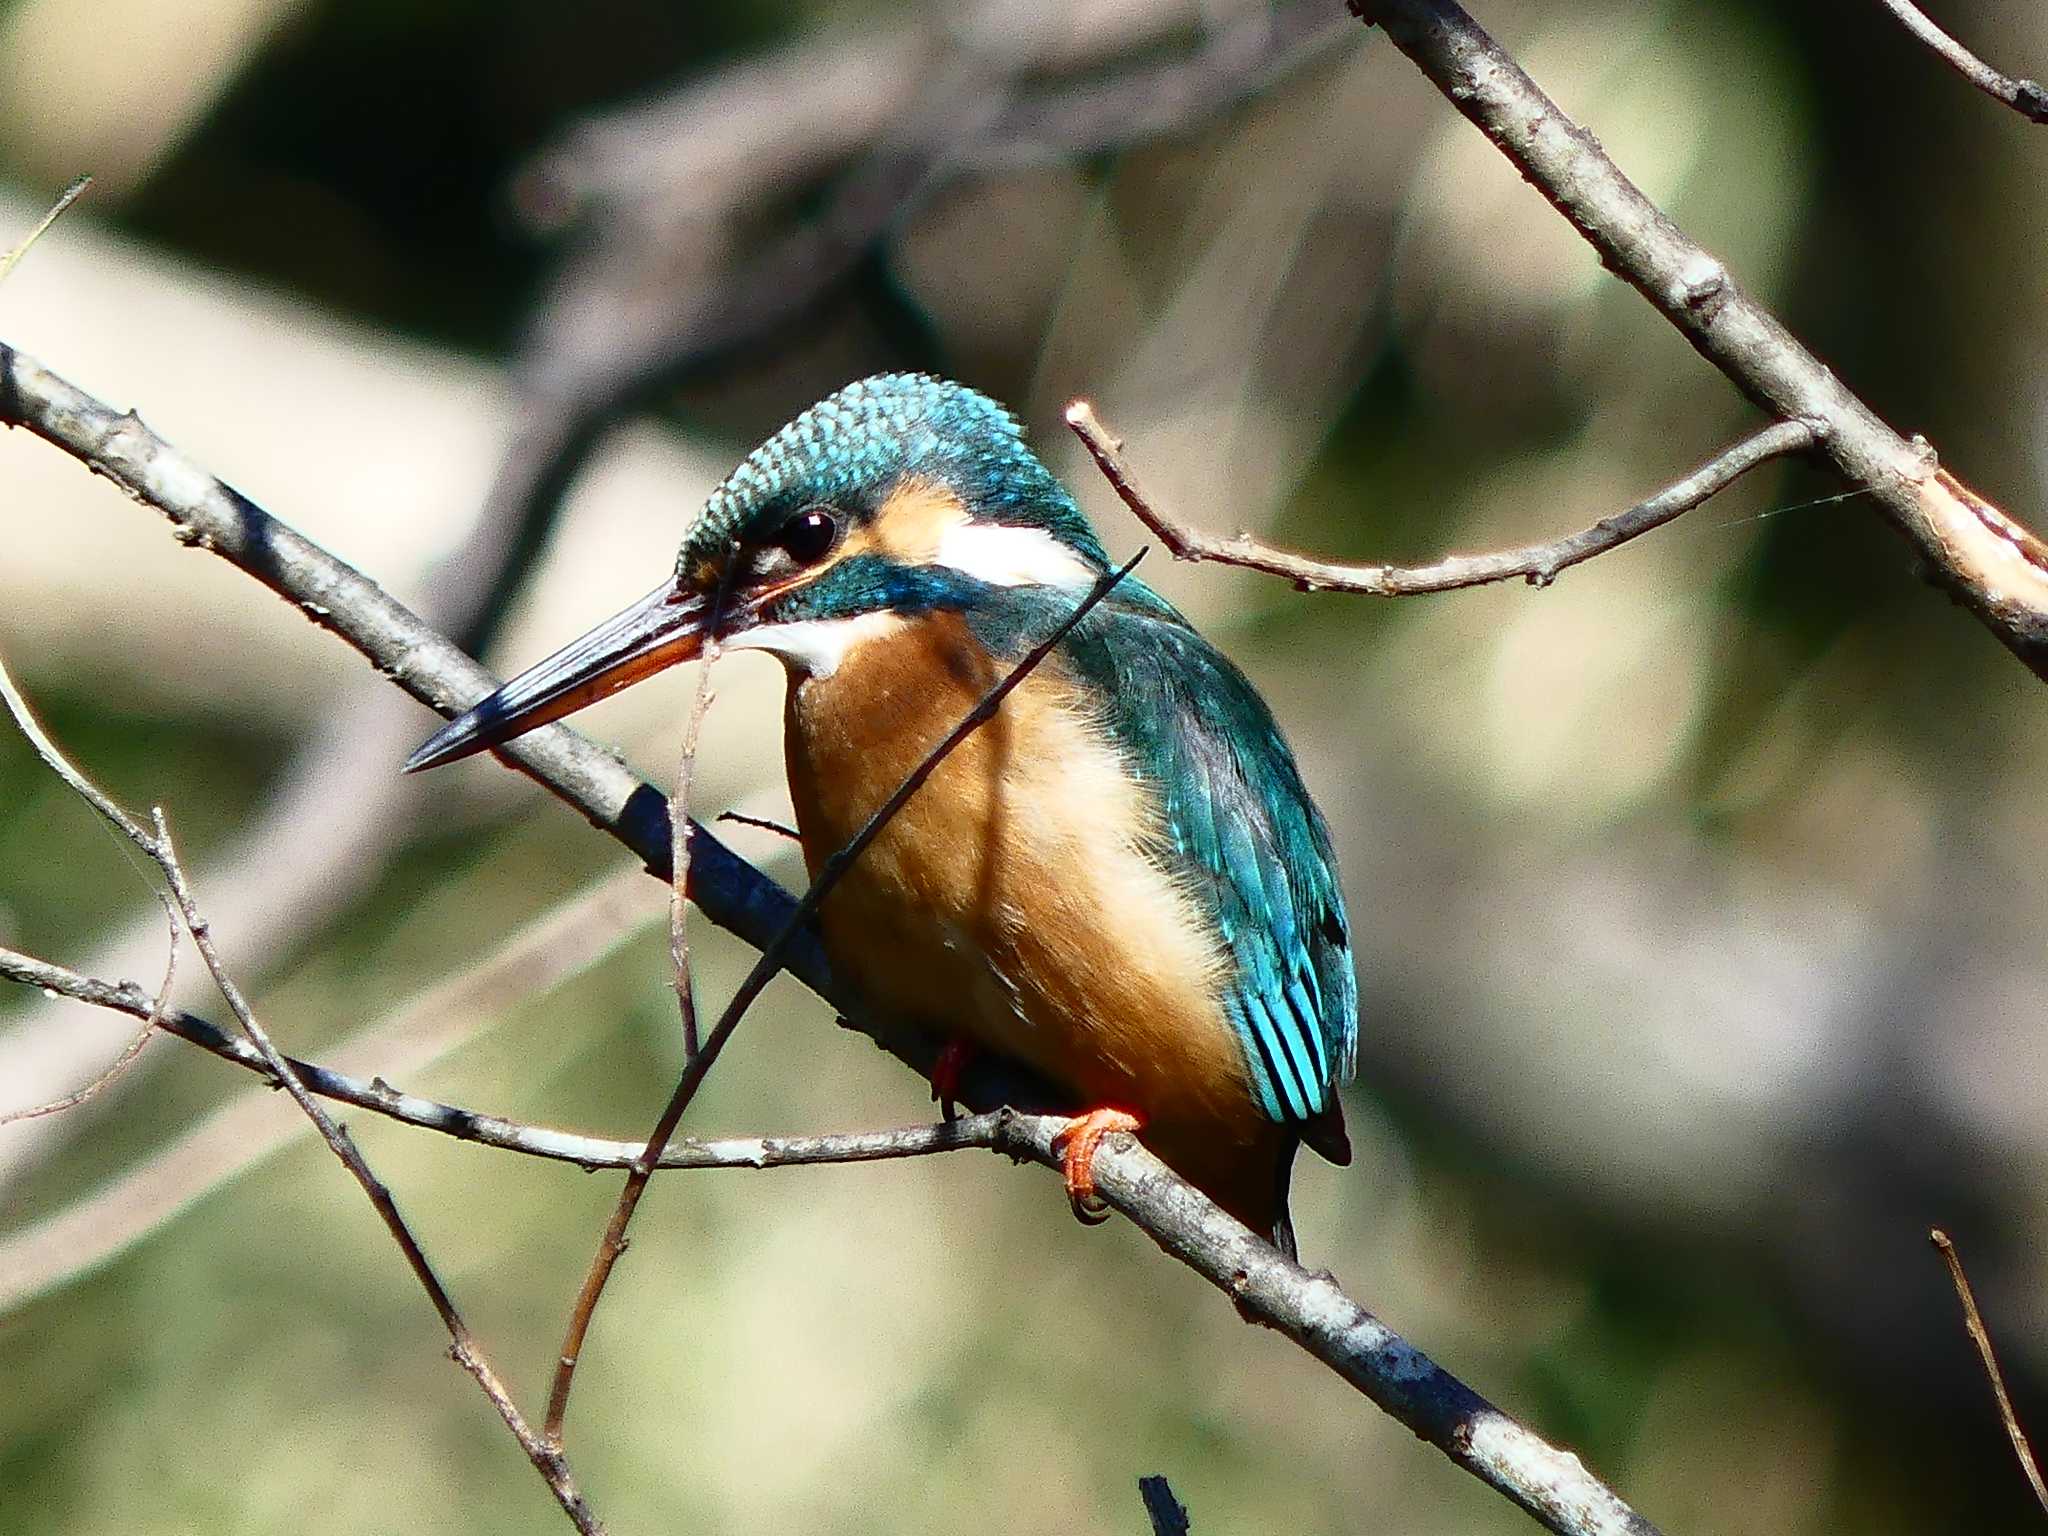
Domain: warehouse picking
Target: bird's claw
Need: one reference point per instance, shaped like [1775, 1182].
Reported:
[1077, 1145]
[947, 1071]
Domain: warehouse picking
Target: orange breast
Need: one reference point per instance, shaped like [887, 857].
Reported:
[1014, 899]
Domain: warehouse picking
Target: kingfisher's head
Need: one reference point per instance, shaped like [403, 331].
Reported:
[899, 495]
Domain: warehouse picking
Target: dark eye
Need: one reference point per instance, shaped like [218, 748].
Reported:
[809, 536]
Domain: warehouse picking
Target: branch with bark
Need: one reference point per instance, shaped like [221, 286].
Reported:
[2026, 97]
[1310, 1308]
[1980, 1336]
[1995, 567]
[153, 841]
[1537, 564]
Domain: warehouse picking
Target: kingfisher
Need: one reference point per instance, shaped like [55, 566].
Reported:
[1119, 881]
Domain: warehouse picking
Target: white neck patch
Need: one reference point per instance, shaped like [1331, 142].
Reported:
[815, 647]
[1007, 556]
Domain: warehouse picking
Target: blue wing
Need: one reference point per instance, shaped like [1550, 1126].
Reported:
[1246, 837]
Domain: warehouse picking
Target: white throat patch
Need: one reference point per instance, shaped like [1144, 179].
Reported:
[1006, 556]
[815, 647]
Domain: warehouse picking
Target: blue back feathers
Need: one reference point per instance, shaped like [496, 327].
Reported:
[1240, 829]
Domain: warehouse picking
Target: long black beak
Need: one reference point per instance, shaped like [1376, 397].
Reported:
[666, 626]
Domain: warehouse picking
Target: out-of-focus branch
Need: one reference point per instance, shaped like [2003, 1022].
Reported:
[1973, 1324]
[1995, 568]
[2026, 97]
[65, 199]
[1538, 564]
[154, 843]
[1311, 1309]
[657, 295]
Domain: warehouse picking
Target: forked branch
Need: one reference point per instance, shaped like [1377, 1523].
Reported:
[1538, 564]
[1995, 567]
[154, 842]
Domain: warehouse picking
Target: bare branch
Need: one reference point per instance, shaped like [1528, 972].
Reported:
[155, 842]
[761, 823]
[131, 1051]
[1538, 564]
[1551, 1484]
[590, 1153]
[1996, 568]
[2025, 97]
[1311, 1309]
[1973, 1324]
[65, 199]
[613, 1243]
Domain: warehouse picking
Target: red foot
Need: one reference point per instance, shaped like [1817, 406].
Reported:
[1077, 1146]
[947, 1071]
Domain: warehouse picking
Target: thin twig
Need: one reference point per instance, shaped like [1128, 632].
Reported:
[763, 823]
[1994, 566]
[65, 199]
[132, 1050]
[155, 842]
[1973, 1324]
[2026, 97]
[1311, 1309]
[1538, 564]
[567, 940]
[679, 858]
[377, 1096]
[700, 1062]
[679, 834]
[1168, 1515]
[613, 1243]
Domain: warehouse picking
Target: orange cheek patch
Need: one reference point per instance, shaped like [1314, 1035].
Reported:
[914, 521]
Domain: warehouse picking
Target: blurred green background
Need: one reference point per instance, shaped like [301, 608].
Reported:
[1701, 896]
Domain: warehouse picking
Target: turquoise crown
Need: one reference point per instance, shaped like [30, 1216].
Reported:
[853, 446]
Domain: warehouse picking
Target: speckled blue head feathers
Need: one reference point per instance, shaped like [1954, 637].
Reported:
[853, 447]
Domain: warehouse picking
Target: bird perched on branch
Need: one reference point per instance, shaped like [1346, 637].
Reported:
[1118, 881]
